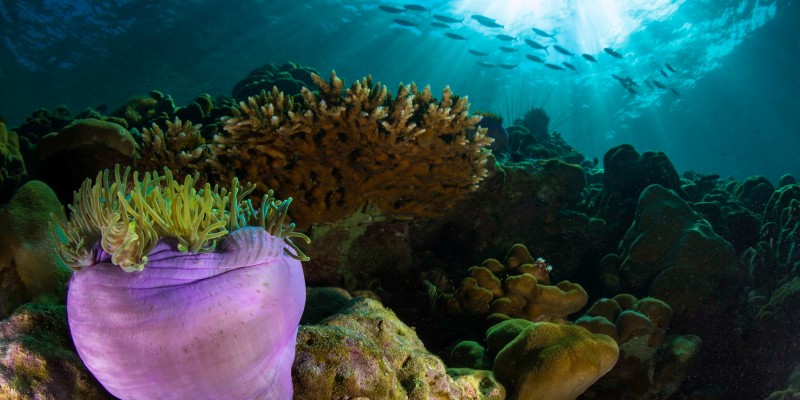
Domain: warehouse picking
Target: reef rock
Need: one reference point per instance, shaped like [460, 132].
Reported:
[37, 359]
[364, 351]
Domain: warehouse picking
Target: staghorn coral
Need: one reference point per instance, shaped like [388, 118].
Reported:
[128, 218]
[410, 155]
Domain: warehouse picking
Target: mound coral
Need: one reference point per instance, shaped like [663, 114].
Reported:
[195, 323]
[544, 360]
[523, 292]
[410, 155]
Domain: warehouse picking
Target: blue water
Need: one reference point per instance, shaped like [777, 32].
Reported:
[738, 112]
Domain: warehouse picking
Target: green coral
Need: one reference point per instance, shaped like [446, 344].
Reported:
[128, 218]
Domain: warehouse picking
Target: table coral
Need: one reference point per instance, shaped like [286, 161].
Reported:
[409, 155]
[156, 312]
[518, 288]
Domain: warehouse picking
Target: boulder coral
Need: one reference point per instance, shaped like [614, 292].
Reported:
[29, 269]
[549, 361]
[182, 293]
[672, 253]
[98, 144]
[365, 351]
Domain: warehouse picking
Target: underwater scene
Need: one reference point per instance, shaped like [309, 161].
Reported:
[455, 199]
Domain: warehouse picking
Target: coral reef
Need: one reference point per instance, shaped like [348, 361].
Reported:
[29, 269]
[364, 350]
[337, 151]
[650, 365]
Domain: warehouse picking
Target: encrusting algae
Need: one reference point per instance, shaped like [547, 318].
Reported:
[128, 218]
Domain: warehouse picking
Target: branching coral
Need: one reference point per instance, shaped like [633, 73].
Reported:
[410, 155]
[128, 218]
[180, 147]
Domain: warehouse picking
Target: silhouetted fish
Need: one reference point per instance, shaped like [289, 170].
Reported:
[669, 67]
[632, 90]
[663, 73]
[478, 53]
[675, 92]
[438, 24]
[415, 7]
[589, 58]
[570, 66]
[534, 58]
[650, 85]
[507, 66]
[455, 36]
[553, 66]
[486, 21]
[542, 33]
[612, 52]
[536, 45]
[508, 49]
[562, 50]
[505, 38]
[626, 82]
[659, 84]
[404, 22]
[390, 9]
[445, 18]
[485, 64]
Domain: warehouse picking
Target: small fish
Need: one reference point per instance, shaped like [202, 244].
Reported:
[675, 92]
[589, 58]
[553, 66]
[562, 50]
[446, 19]
[455, 36]
[508, 49]
[415, 7]
[570, 66]
[485, 64]
[612, 52]
[505, 38]
[404, 22]
[534, 58]
[659, 84]
[664, 74]
[669, 67]
[542, 33]
[478, 53]
[438, 24]
[632, 91]
[485, 21]
[390, 9]
[536, 45]
[650, 85]
[507, 66]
